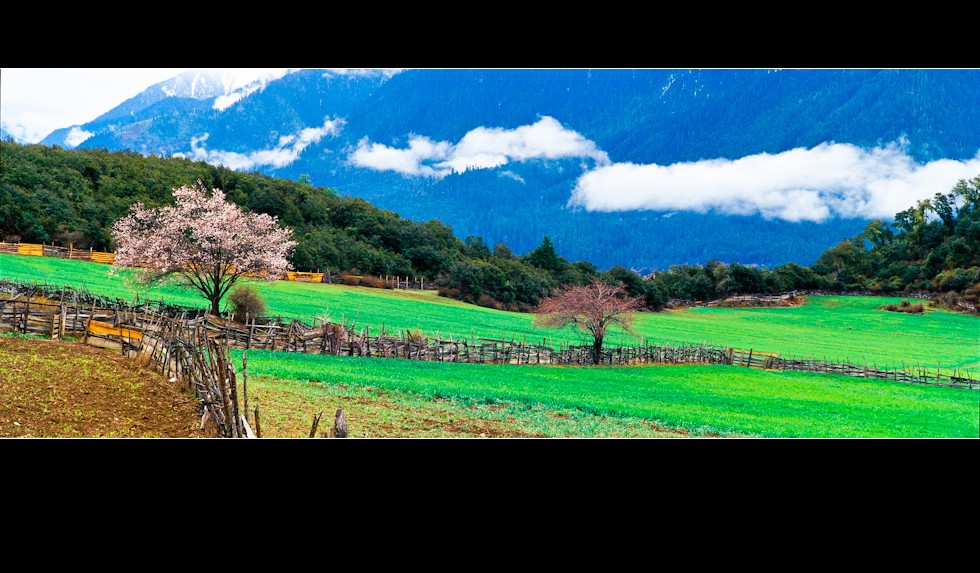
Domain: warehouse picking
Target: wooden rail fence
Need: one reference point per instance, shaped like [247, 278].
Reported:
[175, 347]
[129, 328]
[69, 252]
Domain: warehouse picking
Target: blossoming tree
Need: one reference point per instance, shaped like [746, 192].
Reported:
[592, 308]
[202, 241]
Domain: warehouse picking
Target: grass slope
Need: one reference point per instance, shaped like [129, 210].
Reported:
[287, 408]
[704, 399]
[833, 328]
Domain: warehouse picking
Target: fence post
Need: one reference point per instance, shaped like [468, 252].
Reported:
[340, 425]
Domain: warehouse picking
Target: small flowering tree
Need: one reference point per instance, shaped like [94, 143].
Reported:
[592, 308]
[202, 241]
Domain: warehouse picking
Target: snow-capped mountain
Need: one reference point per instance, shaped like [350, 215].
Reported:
[595, 159]
[218, 87]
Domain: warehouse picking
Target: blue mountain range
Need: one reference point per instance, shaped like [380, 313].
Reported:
[599, 160]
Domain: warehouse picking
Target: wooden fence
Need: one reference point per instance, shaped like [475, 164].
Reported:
[914, 374]
[119, 325]
[304, 277]
[170, 345]
[69, 252]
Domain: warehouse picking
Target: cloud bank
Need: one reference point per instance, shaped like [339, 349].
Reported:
[831, 179]
[480, 148]
[285, 152]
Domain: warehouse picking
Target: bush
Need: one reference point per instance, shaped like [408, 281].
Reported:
[905, 306]
[450, 292]
[350, 280]
[246, 303]
[372, 281]
[488, 301]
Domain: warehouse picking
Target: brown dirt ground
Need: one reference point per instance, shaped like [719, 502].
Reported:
[60, 389]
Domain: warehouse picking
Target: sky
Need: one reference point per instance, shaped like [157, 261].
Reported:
[36, 101]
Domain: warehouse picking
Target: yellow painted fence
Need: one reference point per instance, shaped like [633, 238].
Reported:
[69, 252]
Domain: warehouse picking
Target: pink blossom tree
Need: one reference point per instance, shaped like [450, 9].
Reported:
[202, 241]
[592, 308]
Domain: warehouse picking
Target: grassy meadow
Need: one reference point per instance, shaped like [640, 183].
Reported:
[833, 328]
[611, 401]
[400, 398]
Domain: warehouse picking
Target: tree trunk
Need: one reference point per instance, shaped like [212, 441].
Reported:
[214, 307]
[597, 350]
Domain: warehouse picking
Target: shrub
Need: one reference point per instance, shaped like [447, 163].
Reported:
[246, 303]
[905, 306]
[488, 301]
[350, 280]
[372, 281]
[449, 292]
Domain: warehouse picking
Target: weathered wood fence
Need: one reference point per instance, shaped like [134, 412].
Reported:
[912, 374]
[130, 328]
[69, 252]
[175, 346]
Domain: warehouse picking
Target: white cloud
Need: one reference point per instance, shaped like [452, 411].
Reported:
[76, 136]
[286, 152]
[480, 148]
[19, 132]
[408, 161]
[221, 103]
[244, 82]
[513, 176]
[831, 179]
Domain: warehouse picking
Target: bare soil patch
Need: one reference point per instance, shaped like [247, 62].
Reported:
[61, 389]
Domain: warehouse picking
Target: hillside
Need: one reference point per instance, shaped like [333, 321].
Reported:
[848, 328]
[56, 196]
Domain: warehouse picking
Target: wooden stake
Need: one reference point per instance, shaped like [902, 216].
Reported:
[339, 424]
[245, 380]
[316, 422]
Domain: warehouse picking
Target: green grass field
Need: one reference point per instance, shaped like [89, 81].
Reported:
[603, 401]
[721, 400]
[833, 328]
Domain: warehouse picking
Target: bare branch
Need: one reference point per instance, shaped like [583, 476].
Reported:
[592, 308]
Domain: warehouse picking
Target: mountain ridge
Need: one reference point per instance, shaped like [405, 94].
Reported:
[645, 116]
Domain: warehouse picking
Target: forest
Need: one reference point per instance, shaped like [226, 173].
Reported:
[55, 196]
